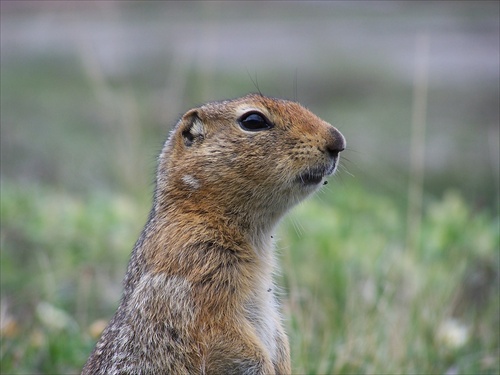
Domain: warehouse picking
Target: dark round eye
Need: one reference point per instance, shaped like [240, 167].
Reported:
[254, 121]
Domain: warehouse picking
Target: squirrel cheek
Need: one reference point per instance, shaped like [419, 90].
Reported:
[190, 181]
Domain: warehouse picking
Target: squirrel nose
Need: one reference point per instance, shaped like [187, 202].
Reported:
[336, 143]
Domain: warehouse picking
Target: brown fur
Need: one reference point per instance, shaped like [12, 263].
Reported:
[198, 294]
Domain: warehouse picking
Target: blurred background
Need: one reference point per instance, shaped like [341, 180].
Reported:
[394, 268]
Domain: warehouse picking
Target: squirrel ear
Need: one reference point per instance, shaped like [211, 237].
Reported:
[191, 128]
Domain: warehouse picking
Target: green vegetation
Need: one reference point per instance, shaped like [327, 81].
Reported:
[355, 299]
[362, 303]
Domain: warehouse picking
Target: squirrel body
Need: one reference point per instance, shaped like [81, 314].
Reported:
[199, 296]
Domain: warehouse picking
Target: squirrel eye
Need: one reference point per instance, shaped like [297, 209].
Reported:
[254, 121]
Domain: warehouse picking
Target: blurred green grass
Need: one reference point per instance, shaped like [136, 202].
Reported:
[355, 300]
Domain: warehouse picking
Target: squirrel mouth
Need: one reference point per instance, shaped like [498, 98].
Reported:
[313, 176]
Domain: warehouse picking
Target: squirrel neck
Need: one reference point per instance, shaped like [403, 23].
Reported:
[198, 243]
[243, 226]
[216, 256]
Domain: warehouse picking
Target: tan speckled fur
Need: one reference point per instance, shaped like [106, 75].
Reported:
[198, 295]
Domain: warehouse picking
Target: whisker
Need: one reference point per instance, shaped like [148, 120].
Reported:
[345, 170]
[354, 150]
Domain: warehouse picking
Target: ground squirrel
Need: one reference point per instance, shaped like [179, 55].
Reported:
[198, 294]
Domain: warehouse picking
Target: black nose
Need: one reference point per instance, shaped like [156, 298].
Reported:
[336, 143]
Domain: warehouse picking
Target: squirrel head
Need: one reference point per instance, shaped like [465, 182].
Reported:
[251, 157]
